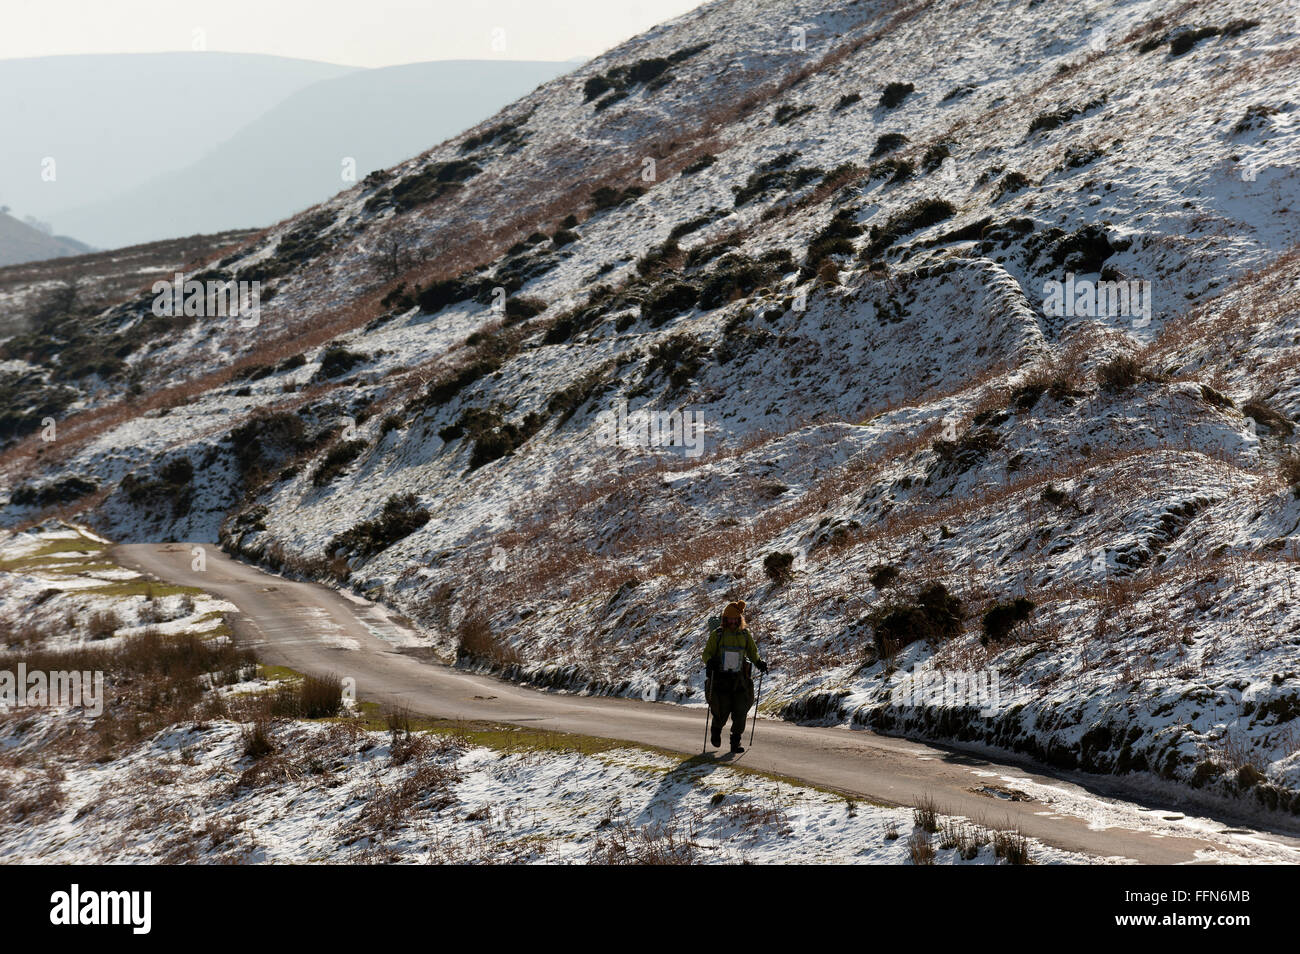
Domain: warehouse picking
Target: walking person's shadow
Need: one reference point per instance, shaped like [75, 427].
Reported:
[676, 783]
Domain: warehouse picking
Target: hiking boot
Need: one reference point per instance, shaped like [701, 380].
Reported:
[717, 738]
[736, 747]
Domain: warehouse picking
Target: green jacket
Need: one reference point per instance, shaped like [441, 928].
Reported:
[723, 638]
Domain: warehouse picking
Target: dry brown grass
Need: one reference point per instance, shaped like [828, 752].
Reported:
[658, 844]
[388, 808]
[34, 799]
[79, 429]
[1257, 298]
[963, 837]
[920, 849]
[1012, 847]
[1157, 25]
[755, 818]
[475, 640]
[926, 815]
[257, 738]
[150, 681]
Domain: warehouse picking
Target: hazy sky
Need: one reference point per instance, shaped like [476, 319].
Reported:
[353, 32]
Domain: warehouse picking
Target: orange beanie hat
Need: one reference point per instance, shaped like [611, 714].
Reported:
[734, 610]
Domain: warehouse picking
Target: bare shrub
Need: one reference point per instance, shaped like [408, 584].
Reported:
[396, 251]
[1012, 847]
[257, 738]
[1059, 379]
[152, 613]
[963, 837]
[926, 815]
[920, 849]
[779, 567]
[102, 624]
[320, 697]
[475, 640]
[405, 748]
[399, 721]
[312, 697]
[1120, 373]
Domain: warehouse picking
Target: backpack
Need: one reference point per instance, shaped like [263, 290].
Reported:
[727, 680]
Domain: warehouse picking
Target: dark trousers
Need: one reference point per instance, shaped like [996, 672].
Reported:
[730, 698]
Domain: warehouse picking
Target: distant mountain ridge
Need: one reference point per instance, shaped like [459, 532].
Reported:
[293, 155]
[20, 242]
[108, 123]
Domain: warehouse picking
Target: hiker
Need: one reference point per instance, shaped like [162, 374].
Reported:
[729, 684]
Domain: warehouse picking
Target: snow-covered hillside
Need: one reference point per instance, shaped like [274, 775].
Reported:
[165, 769]
[831, 235]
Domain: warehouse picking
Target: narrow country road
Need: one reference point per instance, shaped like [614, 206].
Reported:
[312, 628]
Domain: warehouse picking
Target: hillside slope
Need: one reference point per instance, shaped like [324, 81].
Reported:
[955, 506]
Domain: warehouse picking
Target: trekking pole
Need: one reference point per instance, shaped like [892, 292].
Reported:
[757, 695]
[708, 714]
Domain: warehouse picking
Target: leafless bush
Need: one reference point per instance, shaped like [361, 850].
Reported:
[1120, 373]
[312, 697]
[399, 721]
[405, 748]
[926, 815]
[153, 611]
[320, 696]
[102, 624]
[475, 640]
[920, 849]
[1232, 751]
[1012, 847]
[965, 838]
[1058, 378]
[396, 252]
[257, 738]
